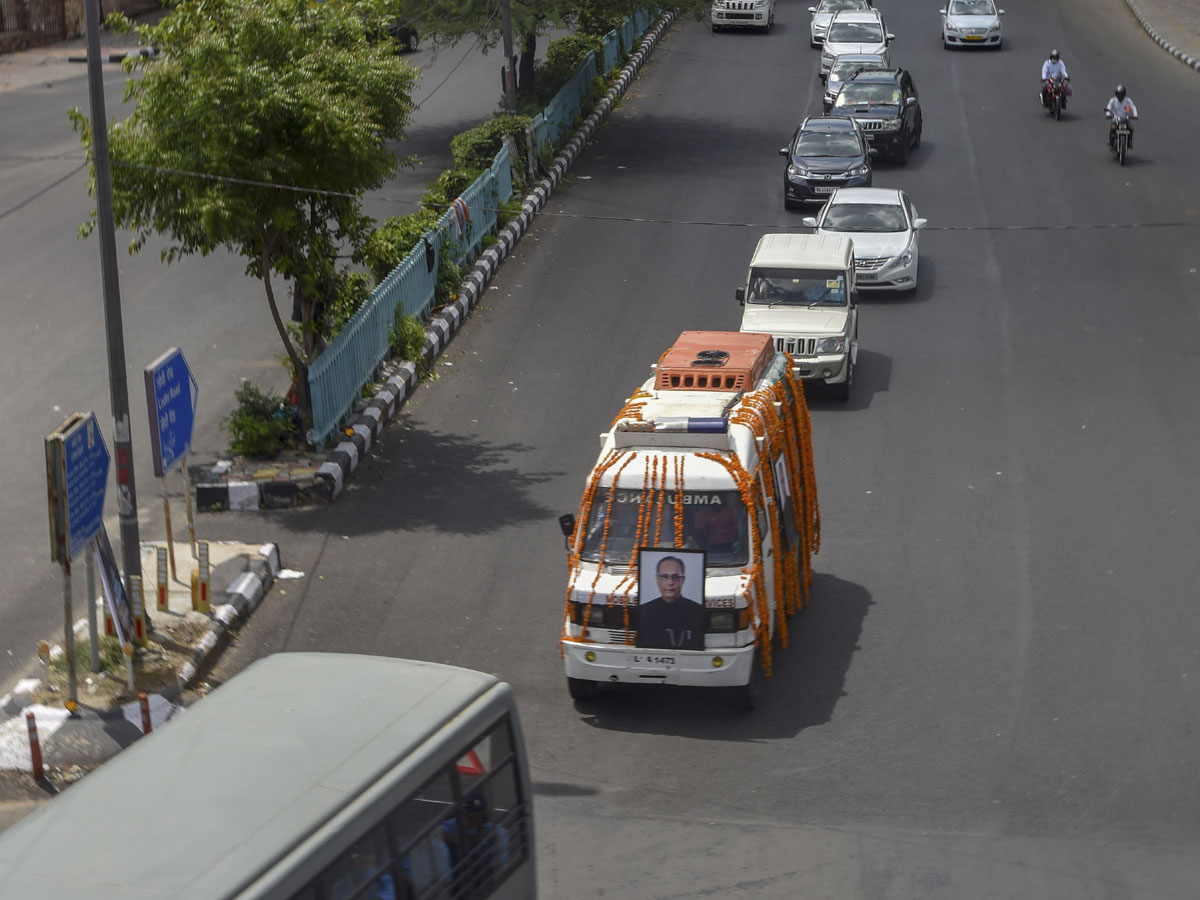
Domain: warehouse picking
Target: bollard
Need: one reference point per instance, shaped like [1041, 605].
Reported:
[139, 611]
[35, 749]
[162, 604]
[144, 703]
[201, 576]
[128, 648]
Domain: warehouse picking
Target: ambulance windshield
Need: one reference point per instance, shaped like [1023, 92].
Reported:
[714, 521]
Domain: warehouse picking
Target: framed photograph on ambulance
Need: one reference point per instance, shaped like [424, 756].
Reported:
[670, 598]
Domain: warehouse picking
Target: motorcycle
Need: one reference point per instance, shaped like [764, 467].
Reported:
[1119, 135]
[1056, 96]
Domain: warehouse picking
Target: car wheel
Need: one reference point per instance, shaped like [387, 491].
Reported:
[917, 136]
[581, 689]
[902, 150]
[750, 695]
[841, 391]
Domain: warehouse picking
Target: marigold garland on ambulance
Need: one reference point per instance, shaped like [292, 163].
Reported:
[713, 456]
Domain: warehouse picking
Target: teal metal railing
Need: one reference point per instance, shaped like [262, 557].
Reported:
[336, 377]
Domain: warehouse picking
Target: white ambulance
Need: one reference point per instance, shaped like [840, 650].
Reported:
[693, 538]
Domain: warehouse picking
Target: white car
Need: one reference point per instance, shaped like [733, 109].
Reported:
[883, 225]
[823, 12]
[854, 32]
[758, 14]
[971, 23]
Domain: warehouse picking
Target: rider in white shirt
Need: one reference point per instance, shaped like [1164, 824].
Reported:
[1119, 103]
[1051, 67]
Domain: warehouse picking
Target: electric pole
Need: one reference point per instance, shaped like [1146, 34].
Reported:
[131, 554]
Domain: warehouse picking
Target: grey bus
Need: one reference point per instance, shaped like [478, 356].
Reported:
[308, 776]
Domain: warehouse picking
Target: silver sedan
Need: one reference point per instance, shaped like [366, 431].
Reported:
[823, 12]
[883, 224]
[971, 23]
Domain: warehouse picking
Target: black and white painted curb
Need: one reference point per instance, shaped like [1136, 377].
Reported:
[241, 598]
[401, 378]
[1184, 58]
[150, 52]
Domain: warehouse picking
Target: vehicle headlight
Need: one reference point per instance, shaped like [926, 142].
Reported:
[831, 344]
[722, 619]
[904, 259]
[864, 169]
[891, 125]
[951, 27]
[797, 171]
[826, 59]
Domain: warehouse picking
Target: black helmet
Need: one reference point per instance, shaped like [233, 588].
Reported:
[1120, 92]
[1054, 55]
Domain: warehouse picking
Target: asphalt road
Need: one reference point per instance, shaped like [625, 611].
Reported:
[992, 693]
[53, 356]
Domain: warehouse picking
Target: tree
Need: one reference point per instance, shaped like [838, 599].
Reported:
[258, 128]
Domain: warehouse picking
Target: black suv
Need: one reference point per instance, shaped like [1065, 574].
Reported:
[885, 104]
[823, 155]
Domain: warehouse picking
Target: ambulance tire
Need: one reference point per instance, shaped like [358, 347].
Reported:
[841, 390]
[581, 689]
[750, 695]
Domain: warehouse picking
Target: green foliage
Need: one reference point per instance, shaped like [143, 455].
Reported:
[477, 147]
[407, 340]
[260, 425]
[245, 97]
[112, 657]
[354, 290]
[598, 17]
[449, 278]
[563, 57]
[450, 184]
[394, 239]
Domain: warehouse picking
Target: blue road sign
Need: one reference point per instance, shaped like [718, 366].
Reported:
[171, 397]
[85, 463]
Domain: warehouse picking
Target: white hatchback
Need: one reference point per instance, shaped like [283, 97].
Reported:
[823, 12]
[971, 23]
[854, 32]
[883, 225]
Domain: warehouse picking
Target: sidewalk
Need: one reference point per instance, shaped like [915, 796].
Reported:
[109, 716]
[1172, 24]
[68, 59]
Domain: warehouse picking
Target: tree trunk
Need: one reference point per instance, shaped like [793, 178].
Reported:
[298, 367]
[525, 86]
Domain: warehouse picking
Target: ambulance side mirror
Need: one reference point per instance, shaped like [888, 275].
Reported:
[567, 523]
[740, 295]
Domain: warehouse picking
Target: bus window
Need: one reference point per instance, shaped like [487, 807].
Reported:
[359, 872]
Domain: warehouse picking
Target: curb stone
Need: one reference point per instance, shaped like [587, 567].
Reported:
[1184, 58]
[214, 494]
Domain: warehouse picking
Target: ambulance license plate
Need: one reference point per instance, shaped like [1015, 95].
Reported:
[651, 660]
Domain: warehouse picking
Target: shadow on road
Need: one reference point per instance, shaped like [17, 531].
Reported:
[808, 680]
[415, 479]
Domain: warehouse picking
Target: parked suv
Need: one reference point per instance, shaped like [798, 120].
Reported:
[823, 155]
[885, 105]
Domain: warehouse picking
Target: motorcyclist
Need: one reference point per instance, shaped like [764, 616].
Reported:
[1119, 104]
[1050, 68]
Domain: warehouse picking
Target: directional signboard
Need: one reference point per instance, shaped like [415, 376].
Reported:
[171, 397]
[77, 471]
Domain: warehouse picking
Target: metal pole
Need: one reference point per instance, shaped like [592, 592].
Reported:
[93, 625]
[510, 73]
[187, 493]
[119, 390]
[167, 519]
[72, 701]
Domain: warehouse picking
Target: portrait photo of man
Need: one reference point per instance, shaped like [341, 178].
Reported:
[668, 617]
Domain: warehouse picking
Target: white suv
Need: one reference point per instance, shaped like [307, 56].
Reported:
[743, 14]
[855, 32]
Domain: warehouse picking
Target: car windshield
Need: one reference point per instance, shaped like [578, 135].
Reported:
[855, 33]
[832, 6]
[855, 94]
[823, 144]
[792, 287]
[714, 521]
[878, 217]
[844, 71]
[972, 8]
